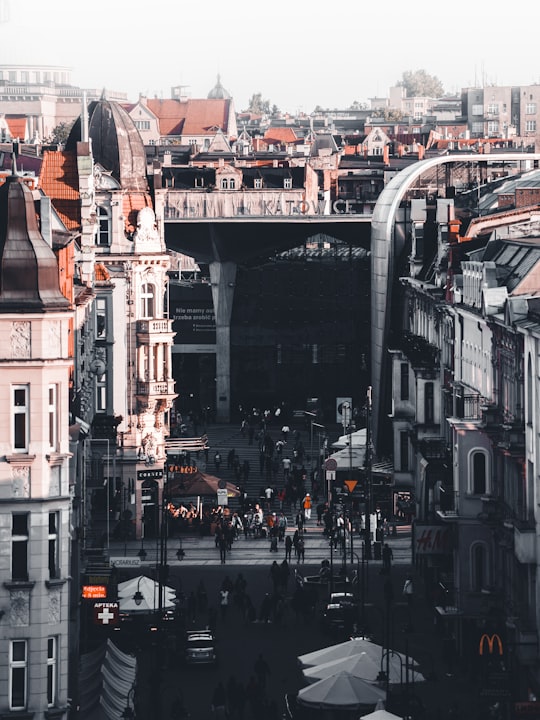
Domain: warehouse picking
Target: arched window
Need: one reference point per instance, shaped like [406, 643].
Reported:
[103, 237]
[479, 567]
[147, 300]
[478, 472]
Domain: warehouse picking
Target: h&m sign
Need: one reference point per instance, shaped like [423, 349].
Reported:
[432, 539]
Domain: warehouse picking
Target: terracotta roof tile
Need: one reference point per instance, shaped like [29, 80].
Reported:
[17, 126]
[133, 202]
[101, 273]
[190, 117]
[60, 181]
[281, 135]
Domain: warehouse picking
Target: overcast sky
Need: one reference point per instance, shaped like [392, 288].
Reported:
[297, 54]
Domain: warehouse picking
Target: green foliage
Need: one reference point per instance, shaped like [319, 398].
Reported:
[387, 114]
[421, 84]
[60, 133]
[258, 105]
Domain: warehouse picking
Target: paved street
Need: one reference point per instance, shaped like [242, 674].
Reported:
[164, 678]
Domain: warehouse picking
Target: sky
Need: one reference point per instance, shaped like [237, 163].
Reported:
[296, 54]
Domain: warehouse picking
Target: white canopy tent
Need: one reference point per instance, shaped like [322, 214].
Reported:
[340, 691]
[366, 667]
[149, 589]
[346, 649]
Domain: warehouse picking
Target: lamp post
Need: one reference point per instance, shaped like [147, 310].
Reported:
[138, 596]
[311, 415]
[368, 467]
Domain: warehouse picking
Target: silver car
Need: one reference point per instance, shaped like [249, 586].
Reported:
[200, 647]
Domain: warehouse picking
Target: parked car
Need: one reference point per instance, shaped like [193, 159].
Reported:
[200, 647]
[340, 612]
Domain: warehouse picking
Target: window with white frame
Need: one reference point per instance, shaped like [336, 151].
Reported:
[530, 109]
[18, 671]
[530, 126]
[54, 569]
[224, 184]
[147, 300]
[493, 126]
[429, 403]
[21, 417]
[477, 109]
[477, 127]
[287, 183]
[103, 237]
[53, 417]
[493, 109]
[258, 183]
[142, 124]
[101, 318]
[101, 394]
[52, 653]
[19, 547]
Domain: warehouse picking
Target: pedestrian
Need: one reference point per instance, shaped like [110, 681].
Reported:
[387, 556]
[285, 432]
[262, 670]
[222, 544]
[300, 520]
[288, 548]
[219, 701]
[223, 602]
[408, 592]
[217, 461]
[306, 504]
[300, 550]
[284, 573]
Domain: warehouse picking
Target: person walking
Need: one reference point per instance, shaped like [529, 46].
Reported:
[288, 548]
[223, 602]
[262, 671]
[306, 504]
[387, 556]
[217, 461]
[300, 550]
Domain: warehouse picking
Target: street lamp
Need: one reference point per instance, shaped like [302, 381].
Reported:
[138, 596]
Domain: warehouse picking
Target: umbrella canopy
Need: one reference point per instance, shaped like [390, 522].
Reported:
[381, 714]
[198, 483]
[365, 667]
[149, 590]
[341, 690]
[358, 440]
[341, 651]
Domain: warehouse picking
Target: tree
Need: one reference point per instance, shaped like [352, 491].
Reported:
[388, 114]
[420, 84]
[359, 106]
[60, 133]
[258, 105]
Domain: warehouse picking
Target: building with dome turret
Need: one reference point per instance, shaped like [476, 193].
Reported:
[35, 500]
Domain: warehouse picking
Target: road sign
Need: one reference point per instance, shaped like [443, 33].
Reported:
[106, 613]
[330, 464]
[351, 484]
[123, 562]
[330, 474]
[222, 498]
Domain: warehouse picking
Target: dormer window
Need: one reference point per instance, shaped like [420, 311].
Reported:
[287, 183]
[228, 183]
[258, 183]
[199, 182]
[103, 237]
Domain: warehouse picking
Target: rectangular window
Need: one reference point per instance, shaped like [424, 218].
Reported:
[404, 451]
[199, 182]
[101, 318]
[17, 674]
[21, 417]
[530, 109]
[54, 571]
[429, 408]
[477, 128]
[493, 109]
[477, 109]
[19, 547]
[142, 124]
[257, 183]
[287, 183]
[493, 126]
[530, 126]
[51, 670]
[53, 418]
[103, 237]
[404, 381]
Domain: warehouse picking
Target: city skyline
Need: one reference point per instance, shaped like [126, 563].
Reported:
[294, 57]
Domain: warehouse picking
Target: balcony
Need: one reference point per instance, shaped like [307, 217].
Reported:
[448, 509]
[418, 350]
[151, 329]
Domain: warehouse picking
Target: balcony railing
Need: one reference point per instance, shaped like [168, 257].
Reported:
[155, 387]
[152, 327]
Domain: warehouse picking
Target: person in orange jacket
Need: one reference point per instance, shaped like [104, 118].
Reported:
[306, 504]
